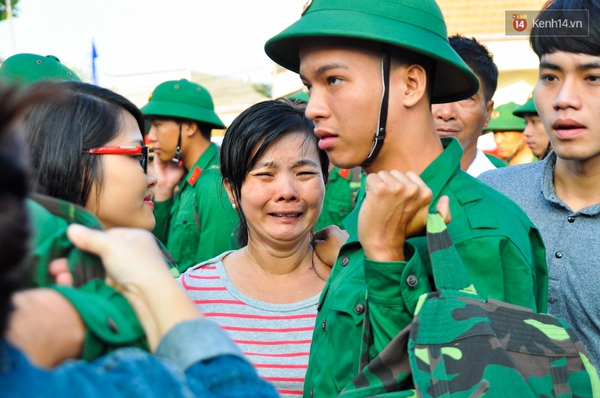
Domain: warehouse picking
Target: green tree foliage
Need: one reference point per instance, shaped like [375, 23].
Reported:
[262, 89]
[15, 9]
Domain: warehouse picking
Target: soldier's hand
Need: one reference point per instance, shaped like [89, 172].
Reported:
[168, 175]
[395, 208]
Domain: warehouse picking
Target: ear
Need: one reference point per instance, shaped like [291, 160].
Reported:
[229, 191]
[488, 115]
[189, 128]
[415, 80]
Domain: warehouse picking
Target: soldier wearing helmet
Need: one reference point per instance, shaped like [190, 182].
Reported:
[373, 69]
[535, 134]
[193, 216]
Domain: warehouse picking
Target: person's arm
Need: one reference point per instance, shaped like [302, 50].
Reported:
[395, 208]
[46, 327]
[328, 243]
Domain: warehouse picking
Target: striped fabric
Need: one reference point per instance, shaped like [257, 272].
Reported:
[275, 337]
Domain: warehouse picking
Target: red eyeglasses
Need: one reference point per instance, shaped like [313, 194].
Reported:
[141, 150]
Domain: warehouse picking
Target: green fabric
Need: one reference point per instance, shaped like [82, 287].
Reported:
[414, 24]
[460, 345]
[496, 161]
[198, 223]
[50, 218]
[25, 69]
[92, 298]
[340, 198]
[502, 250]
[502, 119]
[184, 99]
[110, 321]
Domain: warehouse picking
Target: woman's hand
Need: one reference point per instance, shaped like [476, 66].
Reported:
[328, 243]
[136, 268]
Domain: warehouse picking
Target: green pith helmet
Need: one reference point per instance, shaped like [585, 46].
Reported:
[183, 99]
[25, 69]
[414, 24]
[503, 119]
[527, 109]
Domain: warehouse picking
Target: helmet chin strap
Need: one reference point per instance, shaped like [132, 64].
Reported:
[176, 159]
[383, 108]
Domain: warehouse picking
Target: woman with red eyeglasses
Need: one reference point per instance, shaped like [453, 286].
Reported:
[87, 148]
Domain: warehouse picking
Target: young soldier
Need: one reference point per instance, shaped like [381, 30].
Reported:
[561, 194]
[466, 119]
[508, 135]
[195, 222]
[373, 68]
[535, 134]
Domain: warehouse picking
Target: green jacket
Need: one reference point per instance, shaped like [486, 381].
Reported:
[109, 319]
[340, 196]
[502, 251]
[198, 223]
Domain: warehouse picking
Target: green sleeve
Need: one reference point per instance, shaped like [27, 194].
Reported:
[110, 321]
[391, 299]
[49, 241]
[215, 216]
[162, 214]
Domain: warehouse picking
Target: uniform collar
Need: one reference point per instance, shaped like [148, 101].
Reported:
[436, 176]
[208, 158]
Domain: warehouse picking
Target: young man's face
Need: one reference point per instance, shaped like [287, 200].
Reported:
[345, 92]
[463, 119]
[567, 97]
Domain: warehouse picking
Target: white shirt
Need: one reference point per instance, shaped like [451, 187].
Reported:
[480, 164]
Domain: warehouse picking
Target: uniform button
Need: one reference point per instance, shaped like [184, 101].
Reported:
[571, 219]
[312, 392]
[112, 325]
[411, 281]
[359, 308]
[184, 221]
[344, 261]
[324, 324]
[558, 255]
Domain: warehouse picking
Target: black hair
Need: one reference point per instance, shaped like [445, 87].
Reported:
[58, 132]
[259, 126]
[14, 218]
[581, 40]
[480, 60]
[205, 128]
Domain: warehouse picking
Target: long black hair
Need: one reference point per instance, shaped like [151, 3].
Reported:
[82, 116]
[259, 126]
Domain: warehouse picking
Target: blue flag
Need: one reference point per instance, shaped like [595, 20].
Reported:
[94, 56]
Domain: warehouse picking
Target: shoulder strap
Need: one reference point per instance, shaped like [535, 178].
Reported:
[448, 269]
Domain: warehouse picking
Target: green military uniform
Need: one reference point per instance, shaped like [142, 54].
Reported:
[110, 321]
[496, 161]
[502, 251]
[198, 223]
[340, 196]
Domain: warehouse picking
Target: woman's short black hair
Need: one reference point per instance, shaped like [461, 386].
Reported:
[572, 34]
[82, 116]
[259, 126]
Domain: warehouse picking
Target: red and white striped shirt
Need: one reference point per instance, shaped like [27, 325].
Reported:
[275, 337]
